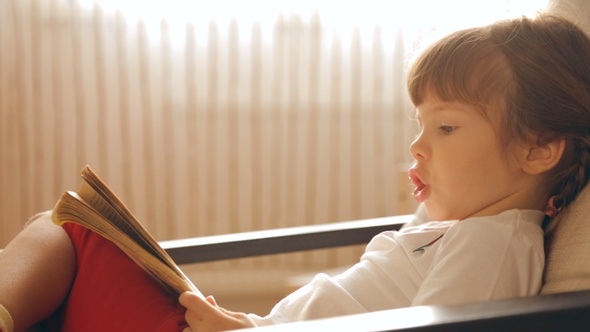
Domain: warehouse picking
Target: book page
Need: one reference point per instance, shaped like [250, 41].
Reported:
[139, 233]
[89, 195]
[96, 207]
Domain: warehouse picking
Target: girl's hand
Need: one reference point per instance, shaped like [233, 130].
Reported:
[205, 315]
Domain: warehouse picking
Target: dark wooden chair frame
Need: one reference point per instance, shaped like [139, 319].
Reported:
[553, 312]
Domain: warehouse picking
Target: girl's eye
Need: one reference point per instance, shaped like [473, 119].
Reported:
[447, 129]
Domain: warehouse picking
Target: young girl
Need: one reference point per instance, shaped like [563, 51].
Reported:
[504, 114]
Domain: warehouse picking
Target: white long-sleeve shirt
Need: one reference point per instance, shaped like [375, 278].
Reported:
[476, 259]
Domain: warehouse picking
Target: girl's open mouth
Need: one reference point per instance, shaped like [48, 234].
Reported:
[420, 192]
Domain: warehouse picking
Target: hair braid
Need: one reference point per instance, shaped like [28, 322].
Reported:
[574, 177]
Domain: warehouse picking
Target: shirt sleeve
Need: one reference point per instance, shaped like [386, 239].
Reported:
[483, 259]
[386, 277]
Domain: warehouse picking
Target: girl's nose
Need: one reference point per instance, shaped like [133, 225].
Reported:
[418, 148]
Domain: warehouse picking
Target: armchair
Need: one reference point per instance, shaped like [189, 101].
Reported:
[562, 305]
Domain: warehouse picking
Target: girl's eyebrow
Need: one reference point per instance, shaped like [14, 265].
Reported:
[442, 106]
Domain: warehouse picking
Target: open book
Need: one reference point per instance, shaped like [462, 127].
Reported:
[96, 207]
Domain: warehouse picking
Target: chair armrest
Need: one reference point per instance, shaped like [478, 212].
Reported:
[554, 312]
[284, 240]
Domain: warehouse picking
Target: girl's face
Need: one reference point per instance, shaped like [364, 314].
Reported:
[461, 168]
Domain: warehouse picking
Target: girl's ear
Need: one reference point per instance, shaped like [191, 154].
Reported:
[543, 157]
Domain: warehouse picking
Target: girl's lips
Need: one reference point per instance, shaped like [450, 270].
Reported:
[420, 192]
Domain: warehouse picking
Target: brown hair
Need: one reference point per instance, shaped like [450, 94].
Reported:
[531, 74]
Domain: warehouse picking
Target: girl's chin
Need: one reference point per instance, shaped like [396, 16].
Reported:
[439, 214]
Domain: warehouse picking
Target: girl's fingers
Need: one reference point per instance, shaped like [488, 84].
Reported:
[197, 308]
[211, 300]
[192, 301]
[205, 315]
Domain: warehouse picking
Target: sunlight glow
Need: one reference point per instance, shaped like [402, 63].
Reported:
[340, 18]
